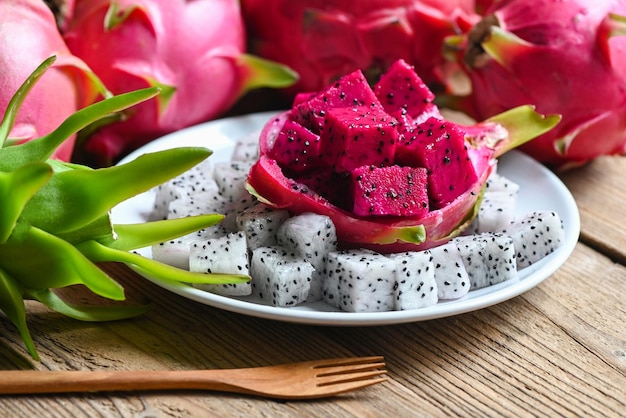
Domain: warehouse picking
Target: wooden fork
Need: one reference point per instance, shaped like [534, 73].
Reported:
[306, 380]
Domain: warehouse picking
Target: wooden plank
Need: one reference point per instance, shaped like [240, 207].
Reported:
[587, 299]
[600, 192]
[556, 350]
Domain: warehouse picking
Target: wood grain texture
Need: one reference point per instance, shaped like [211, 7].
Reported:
[557, 350]
[600, 192]
[552, 351]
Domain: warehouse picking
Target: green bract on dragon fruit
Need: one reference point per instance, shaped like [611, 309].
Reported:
[381, 162]
[567, 57]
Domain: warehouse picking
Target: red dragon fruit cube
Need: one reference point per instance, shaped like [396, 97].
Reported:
[296, 147]
[440, 147]
[390, 191]
[401, 91]
[349, 91]
[358, 136]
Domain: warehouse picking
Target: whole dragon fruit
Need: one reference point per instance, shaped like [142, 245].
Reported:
[562, 56]
[28, 35]
[323, 40]
[192, 50]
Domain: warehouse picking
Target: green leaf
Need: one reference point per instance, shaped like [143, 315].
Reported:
[100, 229]
[500, 45]
[117, 15]
[612, 25]
[74, 199]
[256, 194]
[18, 98]
[259, 72]
[16, 189]
[59, 166]
[413, 234]
[12, 304]
[90, 313]
[164, 98]
[523, 124]
[616, 24]
[40, 149]
[133, 236]
[41, 260]
[101, 253]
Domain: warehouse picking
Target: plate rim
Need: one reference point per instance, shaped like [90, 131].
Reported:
[306, 314]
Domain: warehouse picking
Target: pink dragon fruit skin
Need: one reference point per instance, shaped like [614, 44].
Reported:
[28, 35]
[323, 40]
[564, 57]
[193, 50]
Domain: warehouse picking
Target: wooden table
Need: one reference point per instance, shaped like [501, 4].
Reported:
[557, 350]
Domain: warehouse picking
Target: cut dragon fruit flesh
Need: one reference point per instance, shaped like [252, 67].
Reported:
[394, 128]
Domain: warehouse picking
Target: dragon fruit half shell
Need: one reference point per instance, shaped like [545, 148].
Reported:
[276, 182]
[564, 57]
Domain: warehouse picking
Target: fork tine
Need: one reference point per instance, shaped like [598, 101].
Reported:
[350, 366]
[340, 370]
[350, 386]
[334, 379]
[348, 361]
[355, 371]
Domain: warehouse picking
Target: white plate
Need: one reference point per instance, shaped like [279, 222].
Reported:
[540, 189]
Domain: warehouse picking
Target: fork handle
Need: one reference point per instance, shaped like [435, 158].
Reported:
[33, 381]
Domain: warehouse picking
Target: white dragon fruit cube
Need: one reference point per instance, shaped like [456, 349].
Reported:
[230, 177]
[260, 223]
[450, 273]
[359, 281]
[489, 258]
[535, 235]
[496, 211]
[312, 236]
[196, 204]
[176, 251]
[499, 183]
[498, 206]
[197, 179]
[415, 285]
[206, 203]
[247, 148]
[227, 254]
[279, 276]
[201, 204]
